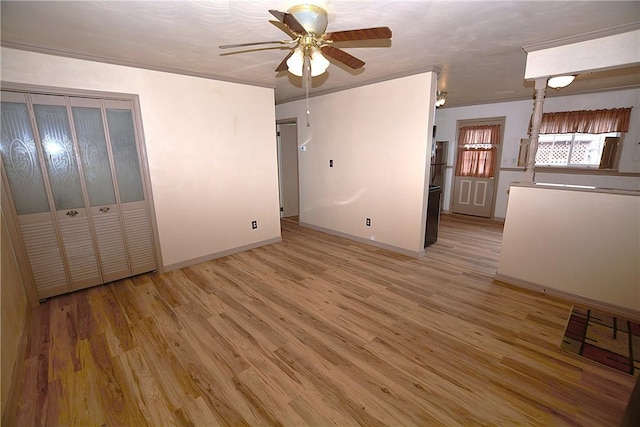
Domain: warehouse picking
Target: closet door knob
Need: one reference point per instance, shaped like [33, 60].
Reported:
[104, 209]
[72, 213]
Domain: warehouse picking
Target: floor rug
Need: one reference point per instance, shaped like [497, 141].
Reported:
[610, 340]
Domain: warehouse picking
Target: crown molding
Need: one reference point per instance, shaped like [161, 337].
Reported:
[124, 63]
[421, 70]
[583, 37]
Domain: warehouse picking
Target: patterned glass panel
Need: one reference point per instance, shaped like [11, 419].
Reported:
[53, 124]
[125, 155]
[21, 160]
[93, 155]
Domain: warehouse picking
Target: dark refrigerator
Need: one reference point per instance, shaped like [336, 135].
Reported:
[436, 181]
[438, 163]
[433, 215]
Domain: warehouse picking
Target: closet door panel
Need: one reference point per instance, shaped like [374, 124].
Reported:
[125, 154]
[64, 178]
[139, 237]
[60, 156]
[41, 244]
[78, 245]
[135, 210]
[97, 173]
[113, 254]
[20, 157]
[27, 190]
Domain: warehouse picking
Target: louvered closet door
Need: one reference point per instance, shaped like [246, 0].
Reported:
[52, 119]
[26, 185]
[97, 172]
[135, 211]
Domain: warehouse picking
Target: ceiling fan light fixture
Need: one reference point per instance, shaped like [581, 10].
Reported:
[441, 98]
[558, 82]
[295, 62]
[319, 63]
[312, 18]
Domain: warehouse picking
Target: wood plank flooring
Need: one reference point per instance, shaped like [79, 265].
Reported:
[315, 330]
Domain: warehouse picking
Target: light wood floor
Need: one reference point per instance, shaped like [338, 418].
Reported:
[316, 330]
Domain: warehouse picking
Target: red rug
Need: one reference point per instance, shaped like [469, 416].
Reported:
[610, 340]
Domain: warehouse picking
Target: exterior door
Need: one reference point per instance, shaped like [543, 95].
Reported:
[473, 186]
[473, 196]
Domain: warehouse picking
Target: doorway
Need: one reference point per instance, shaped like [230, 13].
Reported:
[478, 151]
[287, 139]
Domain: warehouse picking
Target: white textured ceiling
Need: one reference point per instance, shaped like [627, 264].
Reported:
[477, 45]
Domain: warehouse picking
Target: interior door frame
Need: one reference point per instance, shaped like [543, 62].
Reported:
[498, 120]
[9, 212]
[290, 121]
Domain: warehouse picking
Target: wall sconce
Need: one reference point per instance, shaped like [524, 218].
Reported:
[441, 98]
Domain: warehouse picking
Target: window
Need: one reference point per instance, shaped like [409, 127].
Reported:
[581, 139]
[574, 149]
[477, 150]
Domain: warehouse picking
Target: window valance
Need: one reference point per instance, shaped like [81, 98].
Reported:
[482, 134]
[594, 121]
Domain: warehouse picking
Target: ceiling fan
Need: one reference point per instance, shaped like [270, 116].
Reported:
[307, 24]
[310, 43]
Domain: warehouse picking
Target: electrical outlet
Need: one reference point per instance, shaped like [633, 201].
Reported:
[254, 225]
[368, 222]
[330, 163]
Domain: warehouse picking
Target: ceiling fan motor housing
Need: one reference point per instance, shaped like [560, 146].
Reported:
[312, 18]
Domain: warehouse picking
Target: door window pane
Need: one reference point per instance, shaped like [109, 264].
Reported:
[21, 160]
[53, 125]
[94, 155]
[125, 154]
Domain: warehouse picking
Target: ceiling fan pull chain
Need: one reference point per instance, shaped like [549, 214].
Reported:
[307, 81]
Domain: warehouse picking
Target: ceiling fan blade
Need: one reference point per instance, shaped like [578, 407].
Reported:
[283, 28]
[255, 49]
[283, 65]
[361, 34]
[342, 56]
[229, 46]
[289, 20]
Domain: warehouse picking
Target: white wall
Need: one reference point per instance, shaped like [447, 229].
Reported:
[211, 147]
[378, 137]
[518, 114]
[586, 56]
[582, 243]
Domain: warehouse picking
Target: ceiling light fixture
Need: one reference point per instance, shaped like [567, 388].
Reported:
[441, 98]
[560, 81]
[318, 62]
[314, 21]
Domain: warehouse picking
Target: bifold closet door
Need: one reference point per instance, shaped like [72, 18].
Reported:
[22, 166]
[135, 210]
[99, 182]
[74, 174]
[52, 119]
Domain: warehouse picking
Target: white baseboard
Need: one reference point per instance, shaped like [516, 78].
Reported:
[221, 254]
[403, 251]
[573, 298]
